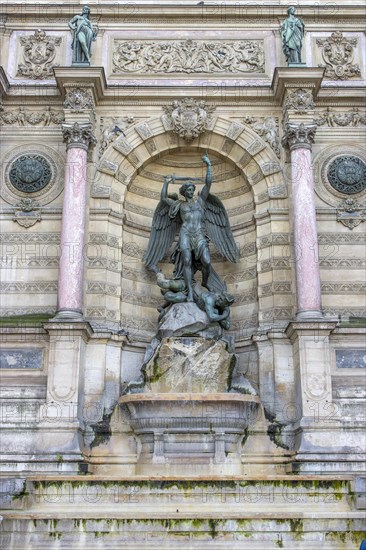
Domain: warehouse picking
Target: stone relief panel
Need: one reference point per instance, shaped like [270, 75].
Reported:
[39, 53]
[268, 129]
[110, 128]
[188, 56]
[338, 56]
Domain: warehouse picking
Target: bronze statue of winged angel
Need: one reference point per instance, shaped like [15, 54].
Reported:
[197, 220]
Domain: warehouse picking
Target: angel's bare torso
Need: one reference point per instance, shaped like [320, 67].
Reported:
[191, 233]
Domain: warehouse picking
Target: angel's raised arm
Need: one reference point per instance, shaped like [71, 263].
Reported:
[206, 189]
[164, 192]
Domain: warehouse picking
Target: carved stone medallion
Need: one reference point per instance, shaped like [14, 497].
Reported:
[34, 173]
[78, 99]
[347, 174]
[30, 173]
[338, 55]
[39, 52]
[187, 118]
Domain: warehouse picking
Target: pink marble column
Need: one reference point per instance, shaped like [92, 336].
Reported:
[299, 138]
[70, 281]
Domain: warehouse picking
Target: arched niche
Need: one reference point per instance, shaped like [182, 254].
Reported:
[246, 172]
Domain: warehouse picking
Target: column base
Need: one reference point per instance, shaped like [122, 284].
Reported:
[309, 314]
[68, 314]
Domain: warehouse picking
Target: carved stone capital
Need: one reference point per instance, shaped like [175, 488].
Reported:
[299, 135]
[78, 135]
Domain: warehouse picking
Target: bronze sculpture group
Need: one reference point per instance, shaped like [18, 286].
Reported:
[196, 222]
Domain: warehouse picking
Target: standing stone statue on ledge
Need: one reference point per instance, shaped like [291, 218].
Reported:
[197, 221]
[292, 34]
[84, 35]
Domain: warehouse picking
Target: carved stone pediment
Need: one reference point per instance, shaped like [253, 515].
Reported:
[338, 55]
[188, 118]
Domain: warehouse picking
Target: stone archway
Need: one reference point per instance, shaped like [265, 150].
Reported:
[142, 144]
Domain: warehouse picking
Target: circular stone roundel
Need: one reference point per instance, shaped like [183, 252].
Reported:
[30, 173]
[347, 174]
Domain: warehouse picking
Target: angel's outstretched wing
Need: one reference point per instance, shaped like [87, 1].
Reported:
[164, 228]
[218, 228]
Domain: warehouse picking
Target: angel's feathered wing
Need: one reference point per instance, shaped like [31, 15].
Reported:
[218, 228]
[165, 226]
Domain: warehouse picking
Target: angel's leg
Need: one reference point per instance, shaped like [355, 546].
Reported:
[206, 265]
[187, 272]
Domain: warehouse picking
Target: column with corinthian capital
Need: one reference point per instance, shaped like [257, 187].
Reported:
[78, 138]
[299, 138]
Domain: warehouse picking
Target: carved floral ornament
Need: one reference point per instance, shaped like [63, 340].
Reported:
[188, 118]
[189, 56]
[338, 54]
[39, 52]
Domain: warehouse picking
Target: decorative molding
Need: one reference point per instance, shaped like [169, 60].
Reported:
[78, 135]
[29, 288]
[39, 52]
[332, 118]
[78, 100]
[27, 213]
[268, 129]
[338, 54]
[343, 288]
[342, 238]
[111, 128]
[350, 213]
[300, 100]
[189, 56]
[188, 118]
[22, 117]
[34, 238]
[299, 135]
[342, 263]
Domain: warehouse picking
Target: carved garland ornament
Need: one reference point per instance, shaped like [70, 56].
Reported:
[39, 52]
[22, 117]
[338, 54]
[189, 56]
[350, 118]
[187, 118]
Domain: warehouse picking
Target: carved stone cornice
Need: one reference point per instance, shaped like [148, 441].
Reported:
[78, 135]
[299, 135]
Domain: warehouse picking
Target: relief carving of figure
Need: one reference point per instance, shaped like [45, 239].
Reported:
[292, 34]
[84, 35]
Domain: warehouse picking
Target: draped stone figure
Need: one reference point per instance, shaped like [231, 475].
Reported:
[292, 34]
[197, 221]
[84, 35]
